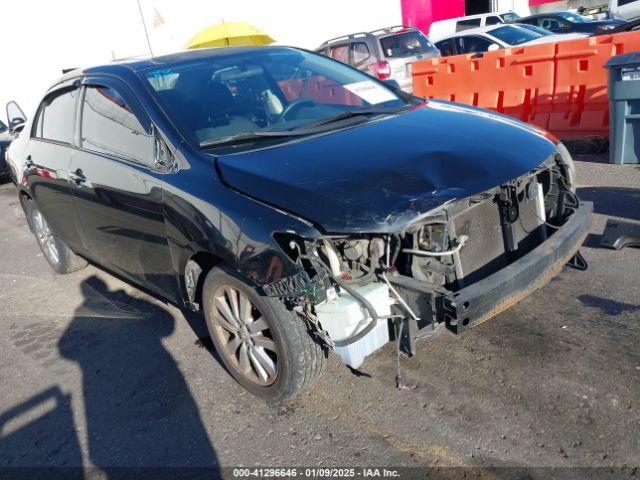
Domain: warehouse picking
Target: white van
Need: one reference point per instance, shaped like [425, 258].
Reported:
[442, 28]
[625, 9]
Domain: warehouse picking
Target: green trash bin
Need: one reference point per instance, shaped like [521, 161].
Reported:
[624, 113]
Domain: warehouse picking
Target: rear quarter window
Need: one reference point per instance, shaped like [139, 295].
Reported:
[467, 24]
[56, 116]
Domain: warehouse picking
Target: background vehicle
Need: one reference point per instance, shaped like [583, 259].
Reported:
[16, 119]
[568, 22]
[443, 28]
[624, 9]
[484, 39]
[294, 201]
[385, 54]
[630, 26]
[5, 140]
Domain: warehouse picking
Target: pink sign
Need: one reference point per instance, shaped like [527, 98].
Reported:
[422, 13]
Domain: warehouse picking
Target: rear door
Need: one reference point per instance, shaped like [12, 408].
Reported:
[48, 157]
[363, 58]
[118, 190]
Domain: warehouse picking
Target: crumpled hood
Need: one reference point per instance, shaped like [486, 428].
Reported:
[378, 177]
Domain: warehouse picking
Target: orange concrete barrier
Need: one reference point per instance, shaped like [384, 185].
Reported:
[580, 101]
[516, 81]
[559, 86]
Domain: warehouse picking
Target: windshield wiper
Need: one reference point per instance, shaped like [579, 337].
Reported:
[249, 137]
[351, 114]
[302, 130]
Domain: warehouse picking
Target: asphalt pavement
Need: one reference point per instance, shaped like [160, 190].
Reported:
[95, 373]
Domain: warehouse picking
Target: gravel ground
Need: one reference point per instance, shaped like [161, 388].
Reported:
[95, 373]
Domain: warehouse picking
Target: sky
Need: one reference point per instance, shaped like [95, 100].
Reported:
[42, 37]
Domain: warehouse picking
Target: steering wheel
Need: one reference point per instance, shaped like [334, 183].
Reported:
[295, 106]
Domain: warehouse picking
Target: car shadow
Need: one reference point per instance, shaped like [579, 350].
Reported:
[141, 419]
[613, 201]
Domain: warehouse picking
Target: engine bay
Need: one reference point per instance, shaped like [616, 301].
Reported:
[372, 289]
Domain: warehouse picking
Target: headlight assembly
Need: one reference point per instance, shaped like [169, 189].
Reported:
[563, 158]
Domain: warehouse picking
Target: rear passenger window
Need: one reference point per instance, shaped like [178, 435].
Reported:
[360, 53]
[109, 125]
[493, 20]
[467, 24]
[340, 53]
[445, 47]
[56, 117]
[472, 44]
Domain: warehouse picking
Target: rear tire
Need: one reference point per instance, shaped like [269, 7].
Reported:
[61, 259]
[265, 347]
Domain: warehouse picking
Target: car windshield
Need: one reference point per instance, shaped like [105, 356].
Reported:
[3, 127]
[263, 94]
[572, 17]
[511, 17]
[514, 35]
[539, 30]
[406, 44]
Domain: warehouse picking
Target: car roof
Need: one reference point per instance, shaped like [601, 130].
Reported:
[379, 33]
[477, 30]
[538, 15]
[471, 17]
[127, 66]
[138, 64]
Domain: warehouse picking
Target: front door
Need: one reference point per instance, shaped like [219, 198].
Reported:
[118, 193]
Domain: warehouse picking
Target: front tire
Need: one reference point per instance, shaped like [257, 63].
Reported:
[61, 259]
[264, 346]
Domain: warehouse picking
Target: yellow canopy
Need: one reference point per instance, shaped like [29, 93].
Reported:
[229, 34]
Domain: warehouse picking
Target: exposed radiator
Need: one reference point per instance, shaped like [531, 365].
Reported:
[485, 250]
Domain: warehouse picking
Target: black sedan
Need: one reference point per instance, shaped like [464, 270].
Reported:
[568, 22]
[300, 204]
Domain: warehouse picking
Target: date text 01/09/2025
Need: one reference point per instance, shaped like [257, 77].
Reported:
[315, 472]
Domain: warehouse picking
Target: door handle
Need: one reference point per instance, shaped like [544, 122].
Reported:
[77, 177]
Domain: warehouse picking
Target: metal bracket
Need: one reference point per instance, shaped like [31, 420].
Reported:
[618, 235]
[578, 262]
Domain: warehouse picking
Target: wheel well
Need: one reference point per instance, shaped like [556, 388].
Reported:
[25, 198]
[206, 261]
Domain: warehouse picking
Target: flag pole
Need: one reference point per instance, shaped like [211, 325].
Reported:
[144, 25]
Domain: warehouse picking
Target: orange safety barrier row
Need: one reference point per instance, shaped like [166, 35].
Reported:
[560, 86]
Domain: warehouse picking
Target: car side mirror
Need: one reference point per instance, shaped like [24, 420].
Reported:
[15, 117]
[493, 47]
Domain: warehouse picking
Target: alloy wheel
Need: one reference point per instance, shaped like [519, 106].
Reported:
[45, 237]
[244, 333]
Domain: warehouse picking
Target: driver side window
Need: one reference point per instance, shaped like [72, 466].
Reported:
[109, 125]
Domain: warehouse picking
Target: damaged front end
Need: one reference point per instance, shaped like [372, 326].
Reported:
[455, 266]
